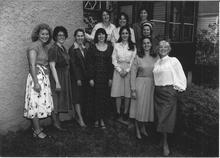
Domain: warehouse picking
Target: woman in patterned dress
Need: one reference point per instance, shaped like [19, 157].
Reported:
[38, 97]
[142, 87]
[100, 73]
[60, 78]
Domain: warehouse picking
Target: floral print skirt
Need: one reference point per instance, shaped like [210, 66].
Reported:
[38, 105]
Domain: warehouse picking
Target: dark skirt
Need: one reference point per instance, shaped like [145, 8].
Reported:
[79, 93]
[165, 106]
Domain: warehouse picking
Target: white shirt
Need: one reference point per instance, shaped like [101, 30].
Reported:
[169, 71]
[108, 30]
[115, 35]
[122, 58]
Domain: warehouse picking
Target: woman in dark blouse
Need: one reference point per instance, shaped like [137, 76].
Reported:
[100, 74]
[60, 78]
[79, 75]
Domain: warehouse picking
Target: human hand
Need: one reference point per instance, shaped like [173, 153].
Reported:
[58, 87]
[91, 82]
[37, 87]
[133, 94]
[79, 83]
[109, 83]
[122, 73]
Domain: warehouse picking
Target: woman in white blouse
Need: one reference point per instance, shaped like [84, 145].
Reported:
[122, 21]
[169, 78]
[105, 24]
[122, 58]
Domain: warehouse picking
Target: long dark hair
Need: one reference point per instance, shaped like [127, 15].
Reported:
[141, 53]
[130, 43]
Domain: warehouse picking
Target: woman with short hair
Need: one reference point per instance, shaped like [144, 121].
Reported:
[60, 77]
[169, 79]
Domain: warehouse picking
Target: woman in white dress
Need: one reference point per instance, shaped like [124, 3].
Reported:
[122, 59]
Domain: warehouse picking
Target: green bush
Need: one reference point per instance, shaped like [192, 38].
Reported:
[197, 119]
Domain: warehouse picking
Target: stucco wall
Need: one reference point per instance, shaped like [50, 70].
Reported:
[17, 19]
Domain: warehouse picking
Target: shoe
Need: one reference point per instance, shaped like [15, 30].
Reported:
[96, 125]
[81, 124]
[59, 128]
[38, 134]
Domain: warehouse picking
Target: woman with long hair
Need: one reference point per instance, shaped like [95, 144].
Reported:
[122, 59]
[142, 87]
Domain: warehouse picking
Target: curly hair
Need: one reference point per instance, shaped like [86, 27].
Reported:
[100, 30]
[59, 29]
[37, 29]
[130, 43]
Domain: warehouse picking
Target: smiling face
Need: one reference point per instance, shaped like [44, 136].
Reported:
[105, 17]
[124, 35]
[143, 15]
[44, 35]
[122, 21]
[164, 49]
[146, 44]
[101, 37]
[80, 37]
[61, 37]
[146, 31]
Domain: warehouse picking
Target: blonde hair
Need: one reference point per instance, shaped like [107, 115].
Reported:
[164, 42]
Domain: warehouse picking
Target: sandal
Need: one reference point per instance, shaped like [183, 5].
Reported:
[37, 135]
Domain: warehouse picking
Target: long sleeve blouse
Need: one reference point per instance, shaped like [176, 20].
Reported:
[169, 71]
[122, 58]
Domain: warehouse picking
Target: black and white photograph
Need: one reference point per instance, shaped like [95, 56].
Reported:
[109, 78]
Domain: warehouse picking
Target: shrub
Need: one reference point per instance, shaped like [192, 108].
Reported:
[197, 120]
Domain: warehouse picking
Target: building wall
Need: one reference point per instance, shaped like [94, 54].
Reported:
[17, 19]
[208, 13]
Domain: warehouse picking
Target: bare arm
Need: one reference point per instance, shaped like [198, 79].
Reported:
[54, 74]
[32, 55]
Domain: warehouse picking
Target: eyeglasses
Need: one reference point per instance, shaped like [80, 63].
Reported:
[61, 35]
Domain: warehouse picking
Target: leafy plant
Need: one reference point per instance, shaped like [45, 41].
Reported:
[207, 45]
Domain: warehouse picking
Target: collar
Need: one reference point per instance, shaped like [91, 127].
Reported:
[76, 45]
[164, 58]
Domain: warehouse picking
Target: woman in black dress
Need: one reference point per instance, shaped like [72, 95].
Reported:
[60, 78]
[79, 76]
[100, 74]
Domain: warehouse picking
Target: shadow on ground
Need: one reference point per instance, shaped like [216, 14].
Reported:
[116, 140]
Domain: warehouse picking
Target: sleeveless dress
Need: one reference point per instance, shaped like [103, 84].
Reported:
[39, 105]
[142, 108]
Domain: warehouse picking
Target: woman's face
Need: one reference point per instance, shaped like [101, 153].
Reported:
[146, 31]
[44, 35]
[163, 49]
[143, 15]
[105, 17]
[101, 37]
[124, 35]
[146, 44]
[61, 37]
[80, 37]
[122, 21]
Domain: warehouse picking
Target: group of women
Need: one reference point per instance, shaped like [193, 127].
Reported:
[121, 62]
